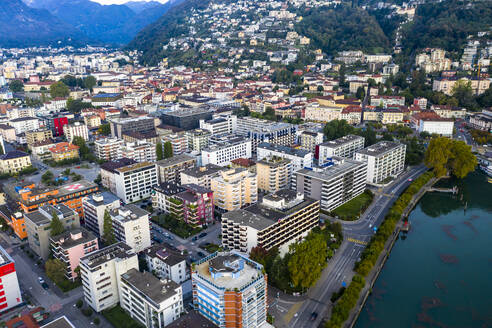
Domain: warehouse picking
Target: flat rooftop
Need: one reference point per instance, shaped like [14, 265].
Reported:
[124, 213]
[201, 171]
[246, 275]
[331, 172]
[341, 141]
[283, 149]
[39, 218]
[177, 159]
[119, 250]
[74, 237]
[379, 148]
[149, 286]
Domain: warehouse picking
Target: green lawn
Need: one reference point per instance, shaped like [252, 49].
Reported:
[212, 248]
[350, 211]
[119, 318]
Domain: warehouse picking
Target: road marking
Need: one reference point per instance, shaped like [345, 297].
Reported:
[356, 241]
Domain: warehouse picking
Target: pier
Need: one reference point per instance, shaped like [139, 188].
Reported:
[453, 190]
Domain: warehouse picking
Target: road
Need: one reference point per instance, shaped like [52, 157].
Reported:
[340, 267]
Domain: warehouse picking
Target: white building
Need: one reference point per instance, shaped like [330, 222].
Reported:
[134, 182]
[140, 151]
[220, 123]
[334, 185]
[9, 287]
[167, 264]
[225, 148]
[95, 206]
[107, 148]
[131, 225]
[101, 274]
[345, 146]
[152, 302]
[24, 124]
[299, 158]
[384, 159]
[76, 129]
[18, 112]
[441, 126]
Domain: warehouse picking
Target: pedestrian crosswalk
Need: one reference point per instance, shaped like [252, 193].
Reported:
[357, 241]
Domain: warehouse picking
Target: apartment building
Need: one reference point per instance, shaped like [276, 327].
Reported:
[30, 197]
[170, 169]
[9, 288]
[225, 148]
[230, 290]
[384, 160]
[178, 141]
[317, 113]
[309, 140]
[281, 219]
[345, 146]
[35, 136]
[299, 158]
[234, 188]
[107, 148]
[274, 173]
[135, 181]
[71, 246]
[95, 206]
[38, 226]
[201, 175]
[129, 124]
[63, 151]
[108, 172]
[220, 123]
[259, 131]
[92, 121]
[76, 129]
[24, 124]
[387, 101]
[140, 151]
[8, 133]
[186, 119]
[197, 139]
[167, 263]
[14, 161]
[334, 185]
[447, 111]
[162, 194]
[101, 274]
[151, 301]
[436, 125]
[131, 225]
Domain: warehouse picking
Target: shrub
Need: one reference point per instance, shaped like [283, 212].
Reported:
[87, 312]
[79, 304]
[97, 321]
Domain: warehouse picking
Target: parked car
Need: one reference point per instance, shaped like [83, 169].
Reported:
[314, 315]
[203, 234]
[201, 254]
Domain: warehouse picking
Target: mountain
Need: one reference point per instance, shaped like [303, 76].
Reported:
[24, 26]
[139, 6]
[150, 39]
[111, 24]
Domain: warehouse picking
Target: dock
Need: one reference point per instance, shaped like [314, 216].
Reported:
[453, 190]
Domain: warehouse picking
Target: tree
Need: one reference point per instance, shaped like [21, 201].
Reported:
[168, 150]
[104, 129]
[446, 155]
[485, 99]
[360, 94]
[55, 270]
[76, 105]
[158, 151]
[59, 89]
[47, 177]
[108, 233]
[337, 128]
[463, 93]
[56, 227]
[69, 80]
[83, 148]
[369, 136]
[307, 260]
[90, 82]
[269, 114]
[1, 150]
[16, 86]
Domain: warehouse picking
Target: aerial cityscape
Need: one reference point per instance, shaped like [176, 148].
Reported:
[247, 163]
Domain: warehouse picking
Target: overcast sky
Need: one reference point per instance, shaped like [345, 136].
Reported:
[110, 2]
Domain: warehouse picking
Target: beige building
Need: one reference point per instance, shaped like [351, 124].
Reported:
[446, 85]
[309, 140]
[92, 121]
[170, 169]
[8, 133]
[35, 136]
[76, 129]
[274, 173]
[317, 113]
[14, 161]
[392, 116]
[234, 188]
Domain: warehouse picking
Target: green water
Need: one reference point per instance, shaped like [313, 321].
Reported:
[440, 273]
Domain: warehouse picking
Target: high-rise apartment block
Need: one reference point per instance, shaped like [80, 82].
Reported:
[234, 188]
[278, 221]
[384, 159]
[345, 146]
[230, 290]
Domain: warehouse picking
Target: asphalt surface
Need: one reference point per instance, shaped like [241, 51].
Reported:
[340, 268]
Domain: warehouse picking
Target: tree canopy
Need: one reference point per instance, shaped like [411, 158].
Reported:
[59, 89]
[168, 150]
[159, 151]
[108, 233]
[16, 86]
[56, 227]
[337, 128]
[445, 155]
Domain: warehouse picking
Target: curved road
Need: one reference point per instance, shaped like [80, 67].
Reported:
[339, 269]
